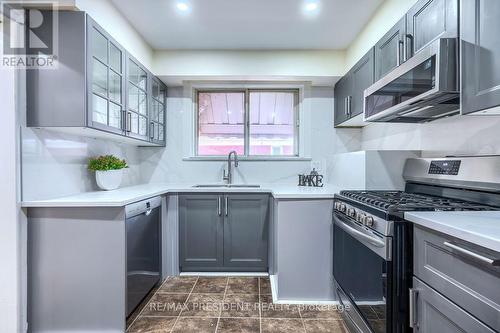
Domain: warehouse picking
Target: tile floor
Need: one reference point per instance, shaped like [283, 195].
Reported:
[228, 305]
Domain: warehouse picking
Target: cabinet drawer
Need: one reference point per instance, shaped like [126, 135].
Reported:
[439, 261]
[434, 313]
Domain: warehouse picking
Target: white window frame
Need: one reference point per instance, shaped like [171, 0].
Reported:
[246, 125]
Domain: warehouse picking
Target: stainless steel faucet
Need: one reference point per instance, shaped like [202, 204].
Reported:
[229, 177]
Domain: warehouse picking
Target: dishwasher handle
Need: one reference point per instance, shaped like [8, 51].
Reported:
[145, 207]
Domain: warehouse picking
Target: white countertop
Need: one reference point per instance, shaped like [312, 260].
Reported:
[481, 228]
[126, 195]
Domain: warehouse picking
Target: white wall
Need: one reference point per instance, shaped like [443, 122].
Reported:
[106, 14]
[10, 245]
[169, 164]
[55, 164]
[456, 135]
[322, 66]
[388, 14]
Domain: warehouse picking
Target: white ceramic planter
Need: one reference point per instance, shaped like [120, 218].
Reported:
[109, 180]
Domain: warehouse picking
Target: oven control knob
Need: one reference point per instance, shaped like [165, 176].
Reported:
[361, 217]
[351, 212]
[337, 205]
[369, 221]
[342, 208]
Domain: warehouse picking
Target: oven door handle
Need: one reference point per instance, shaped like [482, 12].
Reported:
[359, 234]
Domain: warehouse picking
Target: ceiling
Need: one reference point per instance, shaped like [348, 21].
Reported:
[248, 24]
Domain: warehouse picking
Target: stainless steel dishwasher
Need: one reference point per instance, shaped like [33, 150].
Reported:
[143, 249]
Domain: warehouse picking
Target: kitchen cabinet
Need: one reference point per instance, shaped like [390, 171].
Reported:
[460, 271]
[157, 111]
[480, 52]
[138, 94]
[429, 20]
[389, 50]
[246, 230]
[342, 92]
[363, 76]
[200, 231]
[434, 313]
[349, 99]
[220, 232]
[97, 89]
[106, 68]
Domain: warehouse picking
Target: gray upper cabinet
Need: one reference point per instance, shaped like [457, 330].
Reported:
[97, 90]
[434, 313]
[220, 232]
[157, 120]
[138, 94]
[342, 92]
[349, 90]
[389, 51]
[428, 20]
[480, 52]
[363, 74]
[106, 79]
[246, 231]
[200, 232]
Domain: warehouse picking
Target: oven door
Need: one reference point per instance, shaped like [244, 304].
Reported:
[362, 271]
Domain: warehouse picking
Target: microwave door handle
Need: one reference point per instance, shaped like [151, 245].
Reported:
[361, 235]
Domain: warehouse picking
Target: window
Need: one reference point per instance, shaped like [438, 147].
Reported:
[251, 122]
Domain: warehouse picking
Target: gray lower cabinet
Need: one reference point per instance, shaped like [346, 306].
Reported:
[428, 20]
[97, 89]
[459, 272]
[246, 231]
[389, 50]
[201, 233]
[220, 232]
[434, 313]
[480, 52]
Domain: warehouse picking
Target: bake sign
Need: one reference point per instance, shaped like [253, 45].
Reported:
[313, 180]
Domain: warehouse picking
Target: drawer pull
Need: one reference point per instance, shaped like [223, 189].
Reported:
[413, 308]
[473, 255]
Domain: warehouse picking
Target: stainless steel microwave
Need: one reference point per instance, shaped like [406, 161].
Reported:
[424, 88]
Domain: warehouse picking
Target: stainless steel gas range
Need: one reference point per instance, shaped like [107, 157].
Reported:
[372, 260]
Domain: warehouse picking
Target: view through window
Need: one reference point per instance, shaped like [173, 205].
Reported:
[251, 122]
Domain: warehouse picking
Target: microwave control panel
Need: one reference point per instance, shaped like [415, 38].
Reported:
[449, 168]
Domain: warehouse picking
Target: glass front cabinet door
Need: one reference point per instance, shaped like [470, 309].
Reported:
[157, 112]
[106, 79]
[138, 86]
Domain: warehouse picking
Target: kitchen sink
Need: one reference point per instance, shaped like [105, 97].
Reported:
[226, 186]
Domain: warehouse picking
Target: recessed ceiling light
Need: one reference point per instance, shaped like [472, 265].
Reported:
[182, 6]
[311, 6]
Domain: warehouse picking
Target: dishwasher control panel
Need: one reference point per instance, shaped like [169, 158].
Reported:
[142, 207]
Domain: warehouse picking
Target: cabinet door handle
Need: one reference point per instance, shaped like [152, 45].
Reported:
[345, 107]
[349, 106]
[473, 255]
[129, 122]
[398, 53]
[152, 130]
[413, 308]
[226, 206]
[124, 120]
[409, 39]
[219, 206]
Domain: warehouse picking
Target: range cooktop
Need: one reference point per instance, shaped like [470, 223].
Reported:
[399, 201]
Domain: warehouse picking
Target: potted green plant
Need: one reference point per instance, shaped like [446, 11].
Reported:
[108, 171]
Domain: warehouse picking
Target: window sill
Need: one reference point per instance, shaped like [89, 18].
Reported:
[247, 158]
